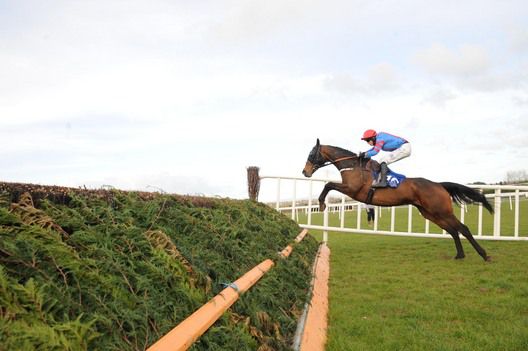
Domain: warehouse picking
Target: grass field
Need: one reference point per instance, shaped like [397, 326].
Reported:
[399, 293]
[402, 293]
[392, 293]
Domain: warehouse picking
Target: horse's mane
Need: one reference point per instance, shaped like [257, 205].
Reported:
[344, 151]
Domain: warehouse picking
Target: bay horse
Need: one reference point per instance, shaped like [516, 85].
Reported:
[433, 200]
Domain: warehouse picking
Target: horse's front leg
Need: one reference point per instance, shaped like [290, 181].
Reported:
[329, 186]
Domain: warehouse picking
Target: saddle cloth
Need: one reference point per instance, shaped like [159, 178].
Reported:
[393, 179]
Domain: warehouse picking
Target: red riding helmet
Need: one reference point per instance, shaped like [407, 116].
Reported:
[370, 133]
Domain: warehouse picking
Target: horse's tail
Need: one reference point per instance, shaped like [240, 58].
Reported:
[463, 194]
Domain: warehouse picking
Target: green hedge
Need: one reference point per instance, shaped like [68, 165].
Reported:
[117, 272]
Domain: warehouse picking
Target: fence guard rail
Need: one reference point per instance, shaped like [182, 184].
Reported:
[187, 332]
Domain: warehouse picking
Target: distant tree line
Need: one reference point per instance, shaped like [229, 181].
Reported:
[512, 177]
[519, 176]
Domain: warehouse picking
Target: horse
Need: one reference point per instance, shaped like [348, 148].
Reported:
[433, 200]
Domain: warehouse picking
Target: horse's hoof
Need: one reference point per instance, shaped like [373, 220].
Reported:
[487, 259]
[322, 207]
[457, 257]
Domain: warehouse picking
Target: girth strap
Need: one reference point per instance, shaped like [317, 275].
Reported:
[370, 195]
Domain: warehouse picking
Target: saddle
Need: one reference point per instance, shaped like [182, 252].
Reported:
[393, 179]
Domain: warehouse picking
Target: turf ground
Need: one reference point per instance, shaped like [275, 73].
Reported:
[400, 293]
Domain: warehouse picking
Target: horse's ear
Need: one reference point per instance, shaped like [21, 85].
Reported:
[317, 144]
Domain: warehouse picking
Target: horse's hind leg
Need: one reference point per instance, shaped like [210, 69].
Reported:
[454, 234]
[464, 230]
[460, 250]
[453, 226]
[450, 226]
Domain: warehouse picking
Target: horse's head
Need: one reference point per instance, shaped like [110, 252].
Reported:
[324, 155]
[315, 160]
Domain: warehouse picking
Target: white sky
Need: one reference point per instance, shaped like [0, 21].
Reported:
[184, 95]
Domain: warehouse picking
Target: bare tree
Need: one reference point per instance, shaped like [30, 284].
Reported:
[516, 176]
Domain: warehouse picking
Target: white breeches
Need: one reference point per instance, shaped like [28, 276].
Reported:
[396, 155]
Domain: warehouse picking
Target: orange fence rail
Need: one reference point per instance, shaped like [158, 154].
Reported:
[288, 249]
[315, 326]
[188, 331]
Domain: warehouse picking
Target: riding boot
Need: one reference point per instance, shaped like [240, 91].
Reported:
[382, 179]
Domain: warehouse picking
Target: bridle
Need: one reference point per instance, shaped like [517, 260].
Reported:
[318, 160]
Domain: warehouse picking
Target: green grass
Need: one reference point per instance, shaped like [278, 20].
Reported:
[399, 293]
[403, 293]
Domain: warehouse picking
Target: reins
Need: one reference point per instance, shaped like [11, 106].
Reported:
[344, 158]
[327, 163]
[316, 153]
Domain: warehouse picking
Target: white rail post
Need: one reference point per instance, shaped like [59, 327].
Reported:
[310, 204]
[358, 224]
[497, 219]
[342, 211]
[516, 227]
[325, 222]
[393, 217]
[462, 212]
[409, 219]
[479, 229]
[376, 216]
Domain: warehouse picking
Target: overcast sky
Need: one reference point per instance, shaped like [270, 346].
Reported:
[184, 95]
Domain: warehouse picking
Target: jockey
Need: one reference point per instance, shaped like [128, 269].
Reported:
[396, 147]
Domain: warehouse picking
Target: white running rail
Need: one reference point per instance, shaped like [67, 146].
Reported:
[503, 198]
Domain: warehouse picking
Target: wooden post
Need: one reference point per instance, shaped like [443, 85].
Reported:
[253, 182]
